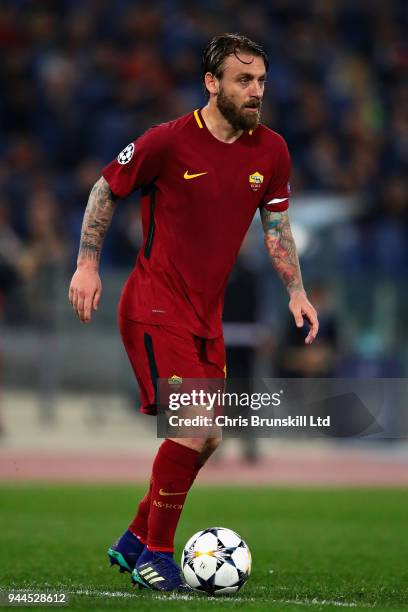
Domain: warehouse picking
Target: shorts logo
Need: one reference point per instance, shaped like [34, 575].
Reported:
[126, 155]
[175, 380]
[256, 180]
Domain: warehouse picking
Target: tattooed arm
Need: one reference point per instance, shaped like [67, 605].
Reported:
[283, 254]
[282, 249]
[97, 218]
[86, 288]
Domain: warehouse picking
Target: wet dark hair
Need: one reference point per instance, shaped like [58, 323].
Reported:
[220, 47]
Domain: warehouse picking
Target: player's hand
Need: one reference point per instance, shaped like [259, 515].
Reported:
[85, 292]
[302, 309]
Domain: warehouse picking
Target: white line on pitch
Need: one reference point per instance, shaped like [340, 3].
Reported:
[186, 597]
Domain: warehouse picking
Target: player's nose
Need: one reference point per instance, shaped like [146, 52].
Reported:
[256, 90]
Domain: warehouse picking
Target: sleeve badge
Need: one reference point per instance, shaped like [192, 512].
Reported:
[126, 155]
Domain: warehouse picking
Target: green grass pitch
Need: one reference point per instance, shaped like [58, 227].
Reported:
[315, 549]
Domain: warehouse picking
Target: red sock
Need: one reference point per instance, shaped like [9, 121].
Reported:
[174, 470]
[138, 526]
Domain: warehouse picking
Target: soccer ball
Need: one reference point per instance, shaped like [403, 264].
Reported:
[216, 561]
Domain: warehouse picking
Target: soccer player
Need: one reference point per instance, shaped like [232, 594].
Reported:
[202, 177]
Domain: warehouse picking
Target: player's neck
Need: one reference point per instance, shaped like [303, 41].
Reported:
[219, 127]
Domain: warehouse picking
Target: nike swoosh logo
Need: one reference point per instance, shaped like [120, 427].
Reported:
[161, 492]
[191, 176]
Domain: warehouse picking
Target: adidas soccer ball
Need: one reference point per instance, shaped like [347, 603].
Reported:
[216, 561]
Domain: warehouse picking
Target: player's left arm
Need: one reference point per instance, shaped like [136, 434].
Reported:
[283, 254]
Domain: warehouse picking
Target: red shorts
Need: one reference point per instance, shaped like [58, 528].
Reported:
[163, 351]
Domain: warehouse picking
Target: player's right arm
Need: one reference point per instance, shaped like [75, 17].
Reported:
[86, 287]
[138, 165]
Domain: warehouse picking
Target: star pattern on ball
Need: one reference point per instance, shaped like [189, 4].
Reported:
[216, 561]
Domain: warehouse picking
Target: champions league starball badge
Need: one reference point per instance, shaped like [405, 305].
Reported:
[126, 155]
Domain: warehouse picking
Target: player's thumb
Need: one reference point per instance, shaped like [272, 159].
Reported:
[298, 319]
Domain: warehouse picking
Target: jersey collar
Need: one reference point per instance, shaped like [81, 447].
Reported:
[202, 126]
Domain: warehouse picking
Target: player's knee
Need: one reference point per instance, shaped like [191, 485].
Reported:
[213, 443]
[197, 444]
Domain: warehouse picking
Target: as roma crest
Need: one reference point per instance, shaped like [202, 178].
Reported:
[256, 180]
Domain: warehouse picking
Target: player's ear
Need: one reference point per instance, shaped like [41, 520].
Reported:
[211, 83]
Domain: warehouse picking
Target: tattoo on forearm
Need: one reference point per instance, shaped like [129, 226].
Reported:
[281, 248]
[97, 218]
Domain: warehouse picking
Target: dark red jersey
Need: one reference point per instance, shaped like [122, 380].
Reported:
[199, 196]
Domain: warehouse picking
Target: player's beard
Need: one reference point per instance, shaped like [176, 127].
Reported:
[236, 116]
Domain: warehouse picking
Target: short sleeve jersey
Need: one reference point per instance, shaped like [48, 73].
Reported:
[199, 196]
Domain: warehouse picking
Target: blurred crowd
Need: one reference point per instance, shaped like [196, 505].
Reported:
[81, 78]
